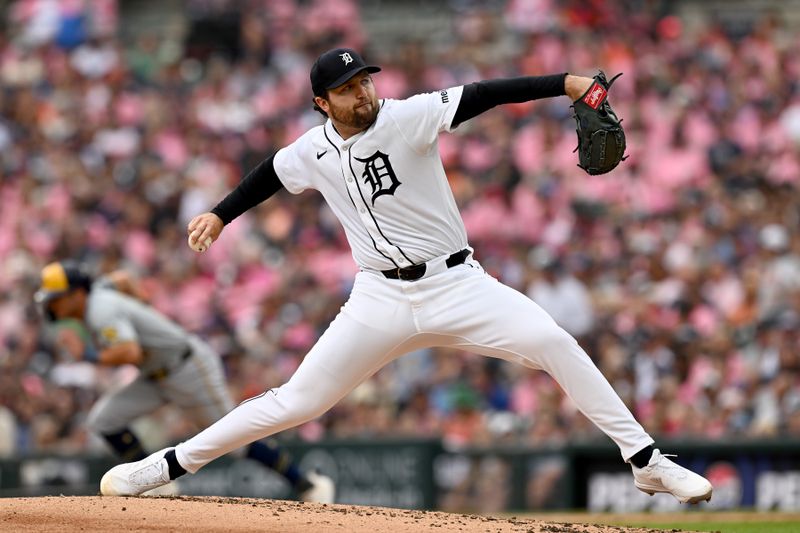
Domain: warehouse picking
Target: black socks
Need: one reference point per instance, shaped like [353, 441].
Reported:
[126, 445]
[642, 457]
[273, 457]
[175, 469]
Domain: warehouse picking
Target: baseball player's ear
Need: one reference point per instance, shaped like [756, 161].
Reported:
[318, 101]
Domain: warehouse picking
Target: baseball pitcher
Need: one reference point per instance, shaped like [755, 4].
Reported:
[377, 164]
[174, 366]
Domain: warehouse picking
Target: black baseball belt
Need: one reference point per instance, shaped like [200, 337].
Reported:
[415, 272]
[163, 373]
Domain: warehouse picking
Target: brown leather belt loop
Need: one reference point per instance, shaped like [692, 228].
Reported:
[415, 272]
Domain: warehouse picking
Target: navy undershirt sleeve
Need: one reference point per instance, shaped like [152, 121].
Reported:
[259, 184]
[483, 95]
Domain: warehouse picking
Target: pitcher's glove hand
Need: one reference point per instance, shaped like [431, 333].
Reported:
[601, 139]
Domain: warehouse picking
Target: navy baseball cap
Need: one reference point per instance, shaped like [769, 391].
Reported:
[335, 67]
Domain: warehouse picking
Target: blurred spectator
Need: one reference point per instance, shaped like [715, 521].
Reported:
[8, 433]
[562, 295]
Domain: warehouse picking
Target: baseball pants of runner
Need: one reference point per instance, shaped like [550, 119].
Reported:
[197, 387]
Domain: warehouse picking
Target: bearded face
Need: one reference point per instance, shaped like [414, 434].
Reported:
[354, 104]
[360, 116]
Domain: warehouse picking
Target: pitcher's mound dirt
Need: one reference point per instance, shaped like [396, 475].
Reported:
[192, 514]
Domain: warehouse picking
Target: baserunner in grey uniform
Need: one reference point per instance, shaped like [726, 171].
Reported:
[175, 366]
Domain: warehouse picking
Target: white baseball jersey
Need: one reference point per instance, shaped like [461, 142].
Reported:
[387, 184]
[388, 188]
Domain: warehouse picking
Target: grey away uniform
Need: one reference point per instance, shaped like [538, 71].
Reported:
[177, 367]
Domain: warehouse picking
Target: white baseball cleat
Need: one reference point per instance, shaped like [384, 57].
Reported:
[170, 489]
[322, 489]
[663, 475]
[132, 479]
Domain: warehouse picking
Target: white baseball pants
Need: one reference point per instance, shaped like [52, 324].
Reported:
[462, 307]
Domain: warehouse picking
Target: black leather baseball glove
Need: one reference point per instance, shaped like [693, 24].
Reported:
[601, 139]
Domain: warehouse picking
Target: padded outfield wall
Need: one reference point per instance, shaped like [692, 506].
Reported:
[421, 474]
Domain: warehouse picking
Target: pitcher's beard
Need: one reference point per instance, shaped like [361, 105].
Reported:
[360, 118]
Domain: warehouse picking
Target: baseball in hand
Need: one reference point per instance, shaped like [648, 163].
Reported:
[199, 246]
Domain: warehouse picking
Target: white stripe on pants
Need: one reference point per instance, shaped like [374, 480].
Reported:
[383, 319]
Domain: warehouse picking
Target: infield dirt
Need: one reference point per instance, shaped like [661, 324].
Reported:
[184, 513]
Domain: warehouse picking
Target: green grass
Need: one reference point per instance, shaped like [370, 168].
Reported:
[725, 527]
[741, 521]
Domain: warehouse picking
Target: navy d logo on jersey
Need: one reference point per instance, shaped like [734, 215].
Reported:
[379, 174]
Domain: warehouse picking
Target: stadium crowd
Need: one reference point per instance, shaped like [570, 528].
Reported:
[679, 272]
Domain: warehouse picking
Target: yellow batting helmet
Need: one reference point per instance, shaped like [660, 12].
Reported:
[60, 278]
